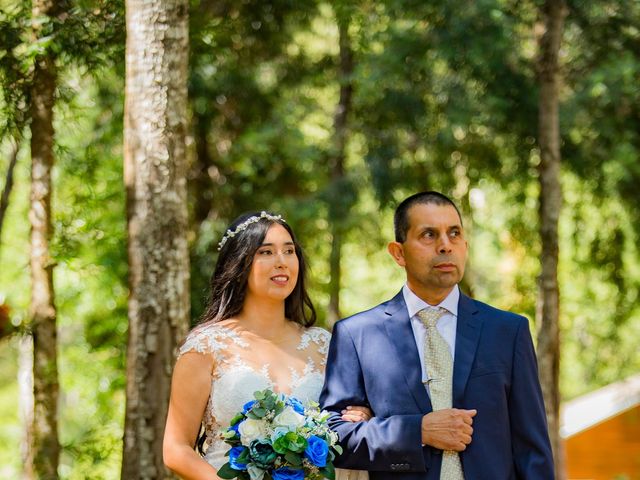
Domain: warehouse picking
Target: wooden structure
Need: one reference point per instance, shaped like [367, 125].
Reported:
[601, 433]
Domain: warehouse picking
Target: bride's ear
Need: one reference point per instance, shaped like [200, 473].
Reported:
[397, 252]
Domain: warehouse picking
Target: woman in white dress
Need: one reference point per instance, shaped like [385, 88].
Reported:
[256, 333]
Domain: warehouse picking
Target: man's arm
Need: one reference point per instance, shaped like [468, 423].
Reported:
[530, 437]
[383, 444]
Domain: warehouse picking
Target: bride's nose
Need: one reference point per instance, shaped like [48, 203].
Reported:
[280, 263]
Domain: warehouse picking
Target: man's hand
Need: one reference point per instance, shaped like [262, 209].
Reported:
[448, 429]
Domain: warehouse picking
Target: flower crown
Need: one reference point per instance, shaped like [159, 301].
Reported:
[230, 233]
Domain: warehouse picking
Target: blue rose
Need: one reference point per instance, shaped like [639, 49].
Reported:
[287, 473]
[317, 451]
[234, 453]
[247, 406]
[296, 404]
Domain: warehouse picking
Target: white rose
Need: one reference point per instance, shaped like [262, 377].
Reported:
[251, 430]
[289, 418]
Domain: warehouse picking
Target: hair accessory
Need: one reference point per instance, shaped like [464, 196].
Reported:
[243, 226]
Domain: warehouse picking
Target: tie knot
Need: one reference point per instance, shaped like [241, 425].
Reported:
[430, 316]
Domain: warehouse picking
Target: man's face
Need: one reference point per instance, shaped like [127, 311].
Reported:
[434, 251]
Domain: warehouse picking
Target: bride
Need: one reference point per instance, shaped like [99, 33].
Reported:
[256, 333]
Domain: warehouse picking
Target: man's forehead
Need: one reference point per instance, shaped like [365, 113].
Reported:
[431, 214]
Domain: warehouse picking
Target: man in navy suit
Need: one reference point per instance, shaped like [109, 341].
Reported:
[496, 425]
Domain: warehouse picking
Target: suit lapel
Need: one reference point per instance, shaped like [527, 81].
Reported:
[400, 333]
[467, 337]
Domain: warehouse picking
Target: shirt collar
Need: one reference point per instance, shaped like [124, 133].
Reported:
[415, 303]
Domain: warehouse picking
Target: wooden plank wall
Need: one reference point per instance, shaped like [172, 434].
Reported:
[608, 451]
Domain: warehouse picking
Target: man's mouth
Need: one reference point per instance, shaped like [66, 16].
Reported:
[445, 267]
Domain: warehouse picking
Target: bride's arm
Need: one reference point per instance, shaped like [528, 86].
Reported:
[190, 386]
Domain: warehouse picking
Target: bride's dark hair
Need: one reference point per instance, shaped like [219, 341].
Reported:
[228, 285]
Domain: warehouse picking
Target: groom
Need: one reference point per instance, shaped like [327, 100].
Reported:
[452, 382]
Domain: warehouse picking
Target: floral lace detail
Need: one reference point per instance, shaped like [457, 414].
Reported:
[210, 338]
[320, 337]
[237, 375]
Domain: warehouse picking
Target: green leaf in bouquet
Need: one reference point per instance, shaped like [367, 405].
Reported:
[260, 395]
[259, 412]
[281, 445]
[329, 471]
[298, 442]
[244, 457]
[290, 442]
[293, 458]
[269, 403]
[226, 472]
[338, 449]
[238, 418]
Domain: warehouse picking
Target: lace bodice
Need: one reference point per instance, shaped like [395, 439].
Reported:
[238, 372]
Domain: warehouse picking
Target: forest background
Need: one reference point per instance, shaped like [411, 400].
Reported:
[329, 113]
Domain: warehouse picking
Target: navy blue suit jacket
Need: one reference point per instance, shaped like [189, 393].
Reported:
[373, 360]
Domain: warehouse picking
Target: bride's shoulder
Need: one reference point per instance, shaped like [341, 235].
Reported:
[316, 335]
[207, 338]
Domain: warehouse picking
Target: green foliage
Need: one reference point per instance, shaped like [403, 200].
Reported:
[444, 98]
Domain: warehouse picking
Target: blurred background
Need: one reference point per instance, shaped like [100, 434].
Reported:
[329, 113]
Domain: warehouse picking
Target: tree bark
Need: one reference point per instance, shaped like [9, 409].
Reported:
[155, 177]
[46, 448]
[25, 403]
[8, 184]
[337, 210]
[549, 78]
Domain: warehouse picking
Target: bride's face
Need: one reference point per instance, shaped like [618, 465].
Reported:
[274, 271]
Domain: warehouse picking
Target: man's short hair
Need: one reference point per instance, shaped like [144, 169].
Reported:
[401, 216]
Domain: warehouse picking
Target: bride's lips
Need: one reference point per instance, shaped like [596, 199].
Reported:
[281, 280]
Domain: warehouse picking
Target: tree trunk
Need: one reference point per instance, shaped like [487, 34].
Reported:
[337, 209]
[25, 403]
[8, 184]
[552, 14]
[46, 448]
[155, 177]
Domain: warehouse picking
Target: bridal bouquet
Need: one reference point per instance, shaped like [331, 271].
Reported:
[276, 437]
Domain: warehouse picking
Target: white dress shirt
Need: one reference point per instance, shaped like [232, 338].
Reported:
[446, 324]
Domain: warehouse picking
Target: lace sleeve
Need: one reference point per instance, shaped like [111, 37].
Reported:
[320, 339]
[206, 339]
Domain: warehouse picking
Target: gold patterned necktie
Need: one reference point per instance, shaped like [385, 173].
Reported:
[439, 366]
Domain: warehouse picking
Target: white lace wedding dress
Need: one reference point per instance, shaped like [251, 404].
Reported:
[236, 375]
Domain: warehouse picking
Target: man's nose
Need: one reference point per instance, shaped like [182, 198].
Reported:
[444, 245]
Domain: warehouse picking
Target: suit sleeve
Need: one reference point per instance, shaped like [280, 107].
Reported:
[530, 438]
[380, 444]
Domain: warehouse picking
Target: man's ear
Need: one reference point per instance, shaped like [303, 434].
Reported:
[396, 251]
